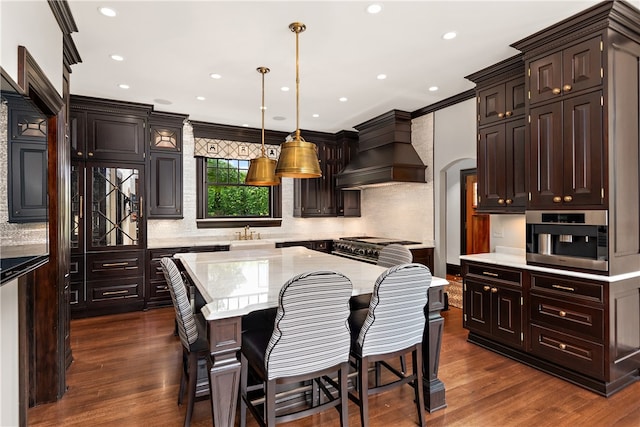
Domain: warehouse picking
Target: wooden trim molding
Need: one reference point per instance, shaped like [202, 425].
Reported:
[455, 99]
[32, 79]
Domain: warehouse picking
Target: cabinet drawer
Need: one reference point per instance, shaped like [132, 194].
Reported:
[115, 292]
[76, 292]
[579, 288]
[496, 273]
[159, 289]
[76, 269]
[579, 355]
[583, 321]
[113, 264]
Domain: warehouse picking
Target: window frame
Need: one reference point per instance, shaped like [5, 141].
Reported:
[275, 202]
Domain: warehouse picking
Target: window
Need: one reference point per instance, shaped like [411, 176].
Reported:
[223, 195]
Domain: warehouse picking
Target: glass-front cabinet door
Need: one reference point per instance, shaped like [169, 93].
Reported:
[114, 205]
[77, 208]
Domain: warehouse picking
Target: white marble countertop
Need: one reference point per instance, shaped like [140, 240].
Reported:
[518, 260]
[237, 282]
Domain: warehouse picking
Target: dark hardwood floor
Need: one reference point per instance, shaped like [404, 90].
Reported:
[126, 373]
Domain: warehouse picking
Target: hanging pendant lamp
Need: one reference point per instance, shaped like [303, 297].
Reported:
[262, 169]
[298, 158]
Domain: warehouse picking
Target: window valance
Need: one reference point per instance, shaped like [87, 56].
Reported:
[225, 149]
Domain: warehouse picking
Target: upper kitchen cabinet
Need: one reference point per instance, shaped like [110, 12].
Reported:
[165, 165]
[102, 129]
[581, 130]
[566, 71]
[500, 94]
[348, 200]
[319, 197]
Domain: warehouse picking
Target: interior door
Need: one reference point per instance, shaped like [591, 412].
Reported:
[475, 226]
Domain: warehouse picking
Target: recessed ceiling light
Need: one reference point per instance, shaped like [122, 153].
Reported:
[215, 76]
[123, 86]
[107, 11]
[200, 98]
[374, 8]
[343, 99]
[450, 35]
[284, 89]
[381, 76]
[433, 88]
[116, 57]
[246, 125]
[315, 115]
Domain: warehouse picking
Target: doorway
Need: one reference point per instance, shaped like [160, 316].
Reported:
[474, 226]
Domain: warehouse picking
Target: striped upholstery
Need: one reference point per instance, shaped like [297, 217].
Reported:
[395, 320]
[311, 331]
[394, 254]
[187, 328]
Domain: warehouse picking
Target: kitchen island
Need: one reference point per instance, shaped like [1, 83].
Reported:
[236, 283]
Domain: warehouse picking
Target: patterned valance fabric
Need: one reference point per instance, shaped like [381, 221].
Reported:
[224, 149]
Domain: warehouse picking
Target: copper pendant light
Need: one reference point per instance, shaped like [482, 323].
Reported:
[262, 169]
[298, 158]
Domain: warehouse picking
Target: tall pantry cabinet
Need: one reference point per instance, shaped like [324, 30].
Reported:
[107, 205]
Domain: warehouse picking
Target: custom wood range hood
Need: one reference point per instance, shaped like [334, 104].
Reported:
[385, 154]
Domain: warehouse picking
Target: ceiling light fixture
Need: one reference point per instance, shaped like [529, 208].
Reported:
[117, 57]
[284, 89]
[374, 8]
[107, 11]
[200, 98]
[123, 86]
[433, 88]
[450, 35]
[215, 76]
[262, 170]
[343, 99]
[298, 158]
[381, 76]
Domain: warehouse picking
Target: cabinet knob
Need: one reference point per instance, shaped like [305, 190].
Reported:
[500, 115]
[556, 91]
[562, 313]
[566, 88]
[79, 153]
[508, 201]
[508, 114]
[557, 199]
[562, 346]
[90, 154]
[501, 201]
[494, 290]
[568, 198]
[486, 288]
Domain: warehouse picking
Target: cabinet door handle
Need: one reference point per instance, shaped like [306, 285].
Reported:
[501, 201]
[79, 153]
[500, 115]
[81, 208]
[556, 91]
[124, 291]
[567, 198]
[508, 201]
[566, 88]
[564, 288]
[508, 114]
[562, 346]
[115, 264]
[486, 288]
[557, 199]
[90, 154]
[494, 290]
[488, 273]
[562, 313]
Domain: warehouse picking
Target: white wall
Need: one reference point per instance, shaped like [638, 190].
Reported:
[44, 43]
[454, 141]
[508, 230]
[9, 356]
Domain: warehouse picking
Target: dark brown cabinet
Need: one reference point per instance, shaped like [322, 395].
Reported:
[493, 303]
[501, 148]
[566, 153]
[165, 165]
[316, 245]
[316, 197]
[564, 72]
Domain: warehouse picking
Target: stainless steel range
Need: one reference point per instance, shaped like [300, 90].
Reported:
[364, 248]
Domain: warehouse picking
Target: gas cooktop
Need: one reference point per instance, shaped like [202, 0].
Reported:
[383, 241]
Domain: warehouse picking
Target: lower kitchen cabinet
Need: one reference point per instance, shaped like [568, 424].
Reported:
[316, 245]
[586, 331]
[423, 256]
[493, 304]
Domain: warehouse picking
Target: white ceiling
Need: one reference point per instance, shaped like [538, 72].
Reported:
[171, 48]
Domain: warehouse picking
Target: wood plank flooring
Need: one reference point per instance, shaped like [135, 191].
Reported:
[126, 373]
